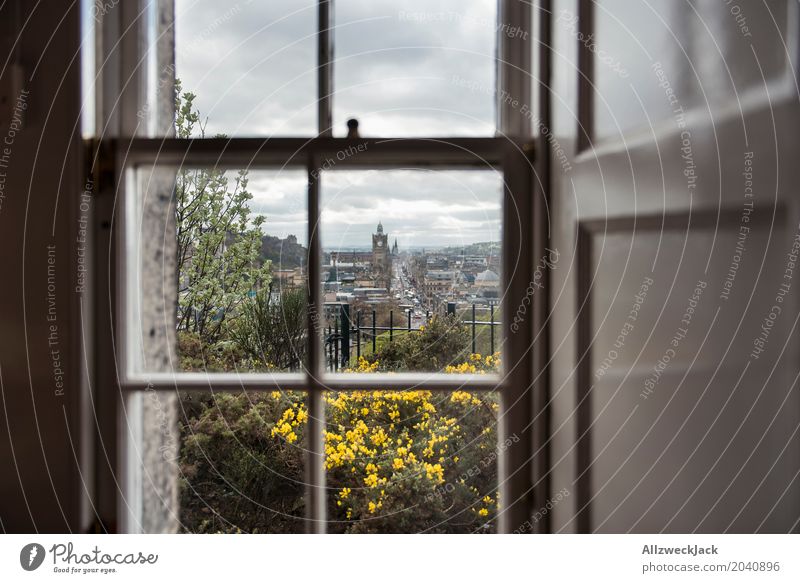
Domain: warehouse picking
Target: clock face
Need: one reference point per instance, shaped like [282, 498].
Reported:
[380, 243]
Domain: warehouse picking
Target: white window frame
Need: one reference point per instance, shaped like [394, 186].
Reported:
[124, 85]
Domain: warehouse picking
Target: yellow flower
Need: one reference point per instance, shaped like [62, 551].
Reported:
[398, 463]
[460, 397]
[434, 472]
[365, 366]
[344, 493]
[284, 429]
[379, 437]
[483, 512]
[372, 507]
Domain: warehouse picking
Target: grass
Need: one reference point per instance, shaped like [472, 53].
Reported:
[482, 341]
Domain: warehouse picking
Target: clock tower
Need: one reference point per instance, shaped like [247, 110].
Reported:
[381, 260]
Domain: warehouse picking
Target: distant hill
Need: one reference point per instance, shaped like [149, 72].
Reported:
[483, 248]
[284, 253]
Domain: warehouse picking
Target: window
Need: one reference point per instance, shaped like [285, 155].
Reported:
[307, 398]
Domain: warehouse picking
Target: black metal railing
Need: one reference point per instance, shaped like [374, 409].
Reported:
[347, 333]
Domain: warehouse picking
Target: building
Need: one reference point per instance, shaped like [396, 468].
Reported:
[381, 258]
[487, 284]
[289, 278]
[380, 249]
[440, 282]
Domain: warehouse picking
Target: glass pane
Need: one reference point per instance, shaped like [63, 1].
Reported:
[411, 270]
[219, 260]
[415, 68]
[252, 65]
[241, 462]
[242, 265]
[411, 461]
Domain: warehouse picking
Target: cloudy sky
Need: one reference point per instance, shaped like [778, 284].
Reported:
[401, 71]
[421, 208]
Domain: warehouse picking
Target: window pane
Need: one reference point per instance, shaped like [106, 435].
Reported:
[415, 68]
[239, 276]
[252, 65]
[411, 461]
[241, 462]
[242, 264]
[409, 257]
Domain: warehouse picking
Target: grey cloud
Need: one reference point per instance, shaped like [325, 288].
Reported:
[405, 61]
[421, 208]
[236, 58]
[403, 85]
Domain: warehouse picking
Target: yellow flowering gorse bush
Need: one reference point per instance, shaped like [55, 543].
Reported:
[383, 448]
[396, 461]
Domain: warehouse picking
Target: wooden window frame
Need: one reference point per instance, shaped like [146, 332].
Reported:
[126, 149]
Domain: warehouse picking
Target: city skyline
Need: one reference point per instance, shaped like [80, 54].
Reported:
[421, 208]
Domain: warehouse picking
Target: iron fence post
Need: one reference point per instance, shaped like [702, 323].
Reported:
[335, 339]
[374, 335]
[330, 349]
[473, 329]
[491, 327]
[345, 336]
[358, 334]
